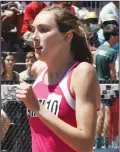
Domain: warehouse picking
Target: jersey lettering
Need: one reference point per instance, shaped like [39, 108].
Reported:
[32, 114]
[52, 104]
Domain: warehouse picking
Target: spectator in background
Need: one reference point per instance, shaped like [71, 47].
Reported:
[110, 20]
[92, 39]
[72, 6]
[11, 19]
[105, 67]
[26, 75]
[10, 12]
[31, 10]
[73, 9]
[9, 74]
[83, 12]
[91, 21]
[80, 11]
[76, 9]
[110, 8]
[106, 55]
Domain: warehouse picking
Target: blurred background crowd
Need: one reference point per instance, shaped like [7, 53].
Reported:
[100, 22]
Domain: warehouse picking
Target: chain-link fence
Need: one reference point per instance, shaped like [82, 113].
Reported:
[18, 137]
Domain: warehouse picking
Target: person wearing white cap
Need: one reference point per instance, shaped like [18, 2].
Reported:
[109, 20]
[110, 8]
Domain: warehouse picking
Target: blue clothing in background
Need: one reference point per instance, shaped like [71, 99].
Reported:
[101, 40]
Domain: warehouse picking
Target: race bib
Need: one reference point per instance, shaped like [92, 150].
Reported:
[53, 103]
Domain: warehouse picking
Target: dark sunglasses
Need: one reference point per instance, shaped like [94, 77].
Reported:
[110, 22]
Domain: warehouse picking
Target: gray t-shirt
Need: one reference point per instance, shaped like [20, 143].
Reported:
[24, 76]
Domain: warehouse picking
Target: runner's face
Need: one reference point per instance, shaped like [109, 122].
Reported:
[47, 39]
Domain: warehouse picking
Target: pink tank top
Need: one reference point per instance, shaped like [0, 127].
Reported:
[58, 100]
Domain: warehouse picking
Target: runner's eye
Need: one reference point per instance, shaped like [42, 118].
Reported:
[43, 30]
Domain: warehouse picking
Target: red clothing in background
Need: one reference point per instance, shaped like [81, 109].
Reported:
[31, 10]
[114, 130]
[71, 8]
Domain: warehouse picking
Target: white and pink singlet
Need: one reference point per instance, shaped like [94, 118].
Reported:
[59, 100]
